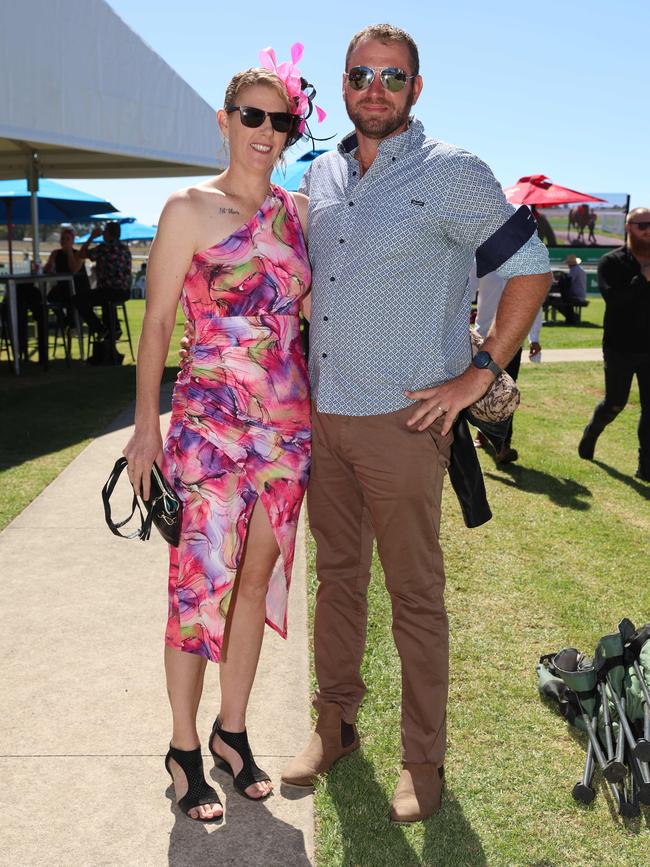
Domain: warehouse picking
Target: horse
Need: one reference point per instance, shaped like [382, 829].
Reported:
[581, 217]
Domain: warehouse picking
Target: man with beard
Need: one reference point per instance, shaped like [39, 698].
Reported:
[395, 220]
[624, 282]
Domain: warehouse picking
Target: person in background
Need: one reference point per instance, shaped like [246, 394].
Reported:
[113, 261]
[624, 283]
[490, 289]
[67, 260]
[140, 282]
[573, 289]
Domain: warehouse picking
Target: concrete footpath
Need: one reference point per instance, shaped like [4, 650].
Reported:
[84, 716]
[552, 356]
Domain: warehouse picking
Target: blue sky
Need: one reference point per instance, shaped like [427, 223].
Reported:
[558, 88]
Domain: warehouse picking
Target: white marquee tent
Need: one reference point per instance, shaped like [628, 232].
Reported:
[82, 95]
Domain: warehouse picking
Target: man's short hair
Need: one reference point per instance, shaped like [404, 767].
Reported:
[386, 33]
[112, 231]
[636, 212]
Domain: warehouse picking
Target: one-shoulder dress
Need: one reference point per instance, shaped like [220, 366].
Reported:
[240, 424]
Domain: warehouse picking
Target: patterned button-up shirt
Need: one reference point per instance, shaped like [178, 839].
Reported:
[113, 260]
[391, 252]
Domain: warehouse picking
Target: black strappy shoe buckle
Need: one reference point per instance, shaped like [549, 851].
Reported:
[250, 772]
[199, 792]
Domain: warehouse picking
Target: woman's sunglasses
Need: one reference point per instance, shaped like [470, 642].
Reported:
[281, 121]
[392, 77]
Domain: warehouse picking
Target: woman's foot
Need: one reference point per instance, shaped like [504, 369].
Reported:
[219, 748]
[193, 794]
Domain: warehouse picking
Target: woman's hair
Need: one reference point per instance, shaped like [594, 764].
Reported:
[250, 77]
[265, 77]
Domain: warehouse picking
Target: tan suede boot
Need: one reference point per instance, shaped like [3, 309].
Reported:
[332, 739]
[418, 794]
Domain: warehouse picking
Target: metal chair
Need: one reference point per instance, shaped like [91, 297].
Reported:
[115, 335]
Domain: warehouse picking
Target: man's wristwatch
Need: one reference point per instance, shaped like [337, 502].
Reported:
[483, 360]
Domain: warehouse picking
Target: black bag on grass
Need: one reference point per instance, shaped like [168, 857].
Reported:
[105, 353]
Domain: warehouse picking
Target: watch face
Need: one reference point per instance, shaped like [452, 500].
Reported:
[482, 359]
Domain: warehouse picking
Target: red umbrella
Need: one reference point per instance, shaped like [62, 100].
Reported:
[539, 190]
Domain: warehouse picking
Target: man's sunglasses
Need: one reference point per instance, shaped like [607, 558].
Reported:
[641, 226]
[281, 121]
[392, 77]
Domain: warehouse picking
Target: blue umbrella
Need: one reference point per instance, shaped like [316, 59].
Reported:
[56, 204]
[130, 230]
[291, 179]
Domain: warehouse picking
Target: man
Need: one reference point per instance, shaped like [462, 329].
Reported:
[490, 289]
[573, 287]
[624, 283]
[395, 221]
[113, 263]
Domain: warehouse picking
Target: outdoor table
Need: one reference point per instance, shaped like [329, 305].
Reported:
[13, 281]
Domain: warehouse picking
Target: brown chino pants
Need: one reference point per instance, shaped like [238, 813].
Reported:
[372, 477]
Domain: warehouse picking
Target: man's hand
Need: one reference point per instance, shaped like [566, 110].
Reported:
[96, 232]
[187, 340]
[448, 398]
[534, 349]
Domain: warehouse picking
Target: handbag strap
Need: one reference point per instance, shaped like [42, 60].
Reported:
[145, 522]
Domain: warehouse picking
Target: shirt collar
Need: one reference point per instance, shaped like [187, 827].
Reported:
[392, 146]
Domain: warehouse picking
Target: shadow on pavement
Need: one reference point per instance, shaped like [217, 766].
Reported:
[562, 491]
[249, 834]
[642, 488]
[370, 838]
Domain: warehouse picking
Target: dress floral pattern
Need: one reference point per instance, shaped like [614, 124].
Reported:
[240, 426]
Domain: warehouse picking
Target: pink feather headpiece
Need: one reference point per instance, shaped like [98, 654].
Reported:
[295, 84]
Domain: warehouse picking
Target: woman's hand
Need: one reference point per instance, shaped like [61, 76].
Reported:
[144, 447]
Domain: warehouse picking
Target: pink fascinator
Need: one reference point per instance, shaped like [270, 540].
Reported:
[297, 87]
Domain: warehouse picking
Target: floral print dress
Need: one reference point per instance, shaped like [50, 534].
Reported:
[240, 425]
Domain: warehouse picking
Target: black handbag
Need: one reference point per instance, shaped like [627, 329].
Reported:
[163, 508]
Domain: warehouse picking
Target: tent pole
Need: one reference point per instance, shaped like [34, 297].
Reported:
[10, 231]
[32, 186]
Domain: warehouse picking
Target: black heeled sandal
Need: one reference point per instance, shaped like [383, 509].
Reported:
[199, 792]
[250, 772]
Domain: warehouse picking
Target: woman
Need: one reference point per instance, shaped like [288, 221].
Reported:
[237, 450]
[67, 260]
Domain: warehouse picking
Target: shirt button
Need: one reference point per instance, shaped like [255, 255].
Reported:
[350, 203]
[326, 318]
[341, 240]
[324, 355]
[332, 279]
[354, 174]
[394, 158]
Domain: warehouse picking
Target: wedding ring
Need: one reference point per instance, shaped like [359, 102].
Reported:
[442, 409]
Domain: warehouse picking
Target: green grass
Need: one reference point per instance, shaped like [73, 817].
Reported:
[564, 558]
[559, 335]
[49, 416]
